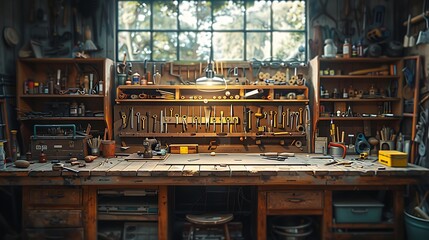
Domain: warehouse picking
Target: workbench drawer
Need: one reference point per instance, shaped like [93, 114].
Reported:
[280, 200]
[54, 218]
[55, 196]
[58, 233]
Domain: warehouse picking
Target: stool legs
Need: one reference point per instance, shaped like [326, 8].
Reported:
[226, 231]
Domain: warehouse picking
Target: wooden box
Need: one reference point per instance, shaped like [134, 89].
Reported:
[183, 148]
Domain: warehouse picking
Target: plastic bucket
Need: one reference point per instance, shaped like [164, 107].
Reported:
[416, 228]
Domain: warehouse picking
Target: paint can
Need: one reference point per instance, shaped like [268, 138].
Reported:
[108, 147]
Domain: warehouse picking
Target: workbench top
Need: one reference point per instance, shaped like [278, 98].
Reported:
[225, 168]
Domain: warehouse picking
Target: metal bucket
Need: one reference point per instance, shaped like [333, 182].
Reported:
[292, 228]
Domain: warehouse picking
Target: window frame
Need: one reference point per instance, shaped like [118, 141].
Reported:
[244, 31]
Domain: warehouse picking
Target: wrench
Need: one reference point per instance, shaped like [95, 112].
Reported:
[154, 122]
[124, 120]
[275, 119]
[283, 120]
[221, 121]
[301, 116]
[143, 119]
[132, 117]
[184, 123]
[138, 121]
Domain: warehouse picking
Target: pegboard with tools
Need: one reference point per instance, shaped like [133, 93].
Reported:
[242, 117]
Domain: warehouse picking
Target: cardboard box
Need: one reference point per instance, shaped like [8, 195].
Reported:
[392, 158]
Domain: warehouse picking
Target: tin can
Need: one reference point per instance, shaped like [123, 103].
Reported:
[136, 79]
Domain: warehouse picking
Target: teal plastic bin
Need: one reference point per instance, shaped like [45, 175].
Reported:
[357, 211]
[416, 228]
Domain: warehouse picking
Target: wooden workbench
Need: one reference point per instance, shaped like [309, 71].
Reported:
[306, 174]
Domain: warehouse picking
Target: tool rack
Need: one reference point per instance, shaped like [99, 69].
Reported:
[226, 119]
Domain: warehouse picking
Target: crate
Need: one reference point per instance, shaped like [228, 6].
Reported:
[357, 210]
[392, 158]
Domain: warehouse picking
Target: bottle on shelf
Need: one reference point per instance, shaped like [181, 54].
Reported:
[346, 49]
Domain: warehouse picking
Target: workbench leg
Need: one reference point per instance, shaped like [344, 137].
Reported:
[398, 208]
[90, 207]
[163, 213]
[262, 216]
[327, 216]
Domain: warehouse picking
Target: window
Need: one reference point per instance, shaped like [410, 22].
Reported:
[225, 30]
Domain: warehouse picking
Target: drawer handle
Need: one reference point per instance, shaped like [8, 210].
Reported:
[360, 211]
[56, 196]
[296, 200]
[55, 221]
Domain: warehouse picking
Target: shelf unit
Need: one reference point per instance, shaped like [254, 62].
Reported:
[376, 101]
[47, 105]
[194, 104]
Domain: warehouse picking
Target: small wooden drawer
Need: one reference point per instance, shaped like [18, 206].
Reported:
[294, 200]
[54, 218]
[56, 196]
[59, 233]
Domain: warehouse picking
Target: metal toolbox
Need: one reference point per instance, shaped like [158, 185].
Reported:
[58, 142]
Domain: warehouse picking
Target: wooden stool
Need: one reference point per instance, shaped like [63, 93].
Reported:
[209, 220]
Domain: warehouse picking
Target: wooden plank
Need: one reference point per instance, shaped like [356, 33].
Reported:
[132, 168]
[175, 170]
[191, 170]
[267, 170]
[104, 166]
[215, 170]
[146, 169]
[160, 170]
[116, 170]
[238, 170]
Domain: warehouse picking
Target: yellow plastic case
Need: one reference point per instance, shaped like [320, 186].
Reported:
[392, 158]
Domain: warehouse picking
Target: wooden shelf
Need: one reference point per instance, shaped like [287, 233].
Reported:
[359, 118]
[127, 217]
[61, 96]
[119, 101]
[359, 99]
[62, 118]
[140, 134]
[359, 77]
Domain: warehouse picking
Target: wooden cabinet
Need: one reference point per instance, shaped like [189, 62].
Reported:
[275, 118]
[69, 91]
[53, 212]
[357, 95]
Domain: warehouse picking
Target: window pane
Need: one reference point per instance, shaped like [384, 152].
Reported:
[228, 15]
[135, 44]
[194, 15]
[258, 45]
[165, 16]
[289, 15]
[194, 46]
[133, 15]
[164, 46]
[258, 16]
[228, 45]
[286, 45]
